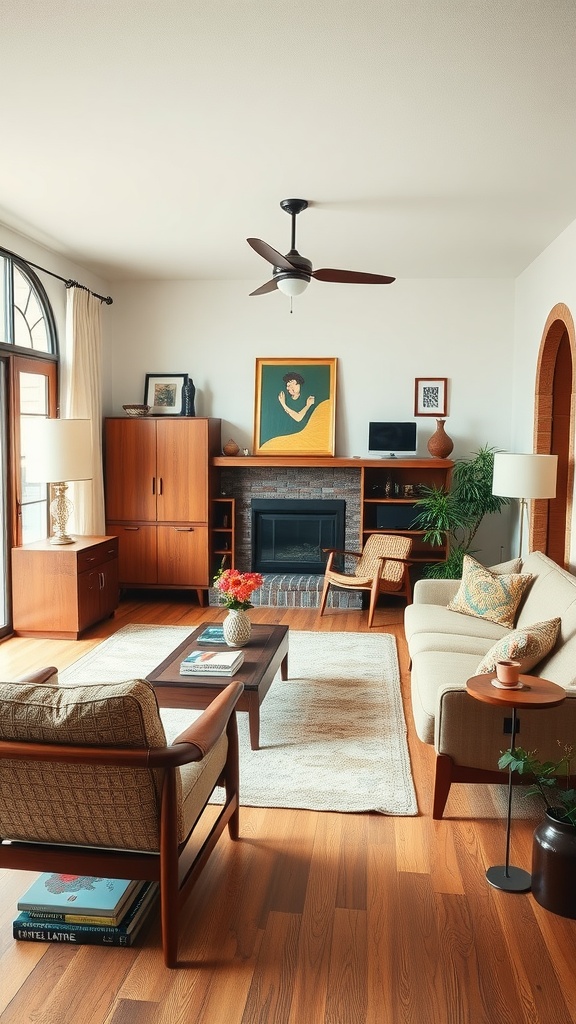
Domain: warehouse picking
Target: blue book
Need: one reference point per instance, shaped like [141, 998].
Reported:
[77, 894]
[212, 635]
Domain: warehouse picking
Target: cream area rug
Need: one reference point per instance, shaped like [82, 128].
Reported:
[333, 735]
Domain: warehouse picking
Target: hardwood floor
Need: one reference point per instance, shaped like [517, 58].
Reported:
[314, 918]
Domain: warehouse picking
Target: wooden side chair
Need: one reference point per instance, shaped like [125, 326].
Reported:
[89, 786]
[382, 567]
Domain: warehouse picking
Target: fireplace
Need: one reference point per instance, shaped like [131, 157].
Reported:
[289, 535]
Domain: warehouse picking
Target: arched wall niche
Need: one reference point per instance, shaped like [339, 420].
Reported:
[550, 522]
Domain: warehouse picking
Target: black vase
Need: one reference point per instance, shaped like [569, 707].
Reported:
[189, 393]
[554, 866]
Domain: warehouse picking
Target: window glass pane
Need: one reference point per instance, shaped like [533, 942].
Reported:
[3, 326]
[3, 509]
[34, 503]
[30, 329]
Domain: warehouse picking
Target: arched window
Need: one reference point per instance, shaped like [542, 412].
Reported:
[27, 321]
[28, 388]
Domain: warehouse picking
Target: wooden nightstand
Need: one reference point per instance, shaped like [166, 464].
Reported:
[60, 590]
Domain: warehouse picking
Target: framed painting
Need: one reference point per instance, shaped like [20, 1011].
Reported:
[295, 407]
[431, 396]
[164, 393]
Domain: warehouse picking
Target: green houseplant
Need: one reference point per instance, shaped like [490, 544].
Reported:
[550, 780]
[456, 514]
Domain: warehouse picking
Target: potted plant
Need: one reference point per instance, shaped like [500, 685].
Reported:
[554, 844]
[454, 515]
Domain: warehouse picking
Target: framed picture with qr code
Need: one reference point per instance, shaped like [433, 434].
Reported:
[431, 396]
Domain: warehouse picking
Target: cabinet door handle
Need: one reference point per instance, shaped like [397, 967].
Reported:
[133, 528]
[161, 489]
[101, 579]
[90, 558]
[153, 485]
[184, 529]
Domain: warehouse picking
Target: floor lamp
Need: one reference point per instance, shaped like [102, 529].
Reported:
[524, 477]
[57, 452]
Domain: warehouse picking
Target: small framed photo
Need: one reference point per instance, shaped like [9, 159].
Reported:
[164, 393]
[431, 396]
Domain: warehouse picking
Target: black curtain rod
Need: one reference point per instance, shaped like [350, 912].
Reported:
[67, 281]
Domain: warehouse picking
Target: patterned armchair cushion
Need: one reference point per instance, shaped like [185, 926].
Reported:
[528, 645]
[81, 804]
[488, 595]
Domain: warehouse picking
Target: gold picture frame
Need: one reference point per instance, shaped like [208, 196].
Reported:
[295, 407]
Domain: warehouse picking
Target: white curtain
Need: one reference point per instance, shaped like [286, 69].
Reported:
[83, 400]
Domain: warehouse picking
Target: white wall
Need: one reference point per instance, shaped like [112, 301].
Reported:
[550, 279]
[383, 337]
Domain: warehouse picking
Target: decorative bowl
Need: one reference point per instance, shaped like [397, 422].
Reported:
[136, 410]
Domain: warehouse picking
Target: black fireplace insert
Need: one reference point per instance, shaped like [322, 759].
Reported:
[289, 535]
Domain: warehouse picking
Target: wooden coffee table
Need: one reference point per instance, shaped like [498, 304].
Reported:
[264, 654]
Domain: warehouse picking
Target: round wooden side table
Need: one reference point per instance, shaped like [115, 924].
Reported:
[532, 692]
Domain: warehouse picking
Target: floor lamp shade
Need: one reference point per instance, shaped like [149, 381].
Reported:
[524, 477]
[58, 451]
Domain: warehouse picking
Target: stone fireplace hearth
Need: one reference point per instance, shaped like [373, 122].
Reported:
[292, 589]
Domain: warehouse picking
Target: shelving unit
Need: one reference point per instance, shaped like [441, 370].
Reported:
[388, 494]
[223, 533]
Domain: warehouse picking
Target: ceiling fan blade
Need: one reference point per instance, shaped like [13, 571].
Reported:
[270, 286]
[350, 277]
[270, 254]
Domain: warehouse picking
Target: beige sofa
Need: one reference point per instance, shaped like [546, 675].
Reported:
[446, 648]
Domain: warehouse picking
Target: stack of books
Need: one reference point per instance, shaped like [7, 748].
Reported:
[83, 910]
[214, 663]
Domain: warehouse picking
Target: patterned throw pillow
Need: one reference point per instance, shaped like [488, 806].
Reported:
[489, 595]
[527, 645]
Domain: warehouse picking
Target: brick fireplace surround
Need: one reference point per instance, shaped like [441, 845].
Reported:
[244, 482]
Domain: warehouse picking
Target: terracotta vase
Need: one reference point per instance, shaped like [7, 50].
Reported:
[440, 445]
[231, 448]
[237, 627]
[553, 865]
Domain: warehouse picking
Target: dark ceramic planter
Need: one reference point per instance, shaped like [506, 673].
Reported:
[554, 866]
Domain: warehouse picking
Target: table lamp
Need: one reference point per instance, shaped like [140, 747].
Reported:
[524, 477]
[57, 452]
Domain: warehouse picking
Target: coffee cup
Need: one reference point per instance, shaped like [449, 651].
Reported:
[508, 672]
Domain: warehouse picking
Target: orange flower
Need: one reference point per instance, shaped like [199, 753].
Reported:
[236, 587]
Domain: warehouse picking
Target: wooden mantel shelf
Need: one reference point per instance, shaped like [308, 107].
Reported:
[324, 462]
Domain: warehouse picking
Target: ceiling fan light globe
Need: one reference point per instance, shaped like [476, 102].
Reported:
[292, 285]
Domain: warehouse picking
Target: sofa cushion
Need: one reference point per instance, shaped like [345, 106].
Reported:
[122, 810]
[527, 645]
[488, 595]
[431, 671]
[552, 593]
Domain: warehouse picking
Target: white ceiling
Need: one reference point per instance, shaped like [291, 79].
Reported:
[149, 138]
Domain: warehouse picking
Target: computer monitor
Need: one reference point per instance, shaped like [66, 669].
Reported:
[392, 440]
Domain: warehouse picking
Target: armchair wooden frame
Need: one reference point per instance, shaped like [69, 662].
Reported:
[175, 865]
[376, 585]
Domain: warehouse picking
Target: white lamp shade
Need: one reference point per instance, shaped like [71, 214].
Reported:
[57, 450]
[524, 476]
[292, 285]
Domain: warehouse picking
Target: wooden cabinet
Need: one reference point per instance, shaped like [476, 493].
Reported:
[388, 492]
[159, 486]
[60, 590]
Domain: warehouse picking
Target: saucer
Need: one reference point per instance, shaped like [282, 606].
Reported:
[500, 686]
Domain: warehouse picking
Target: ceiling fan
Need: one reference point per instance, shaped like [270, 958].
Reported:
[292, 272]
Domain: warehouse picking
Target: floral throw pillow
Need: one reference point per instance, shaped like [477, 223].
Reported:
[527, 645]
[489, 595]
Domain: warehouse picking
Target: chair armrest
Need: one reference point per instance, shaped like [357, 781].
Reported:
[41, 675]
[207, 729]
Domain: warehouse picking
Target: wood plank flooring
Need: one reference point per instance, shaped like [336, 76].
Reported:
[314, 918]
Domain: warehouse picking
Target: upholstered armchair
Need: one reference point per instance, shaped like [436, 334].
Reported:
[383, 566]
[88, 785]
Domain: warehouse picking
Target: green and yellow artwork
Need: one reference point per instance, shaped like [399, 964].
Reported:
[295, 407]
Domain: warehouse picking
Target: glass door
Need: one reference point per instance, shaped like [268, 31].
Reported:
[4, 533]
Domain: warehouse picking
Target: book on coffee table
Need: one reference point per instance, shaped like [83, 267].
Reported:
[215, 663]
[211, 635]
